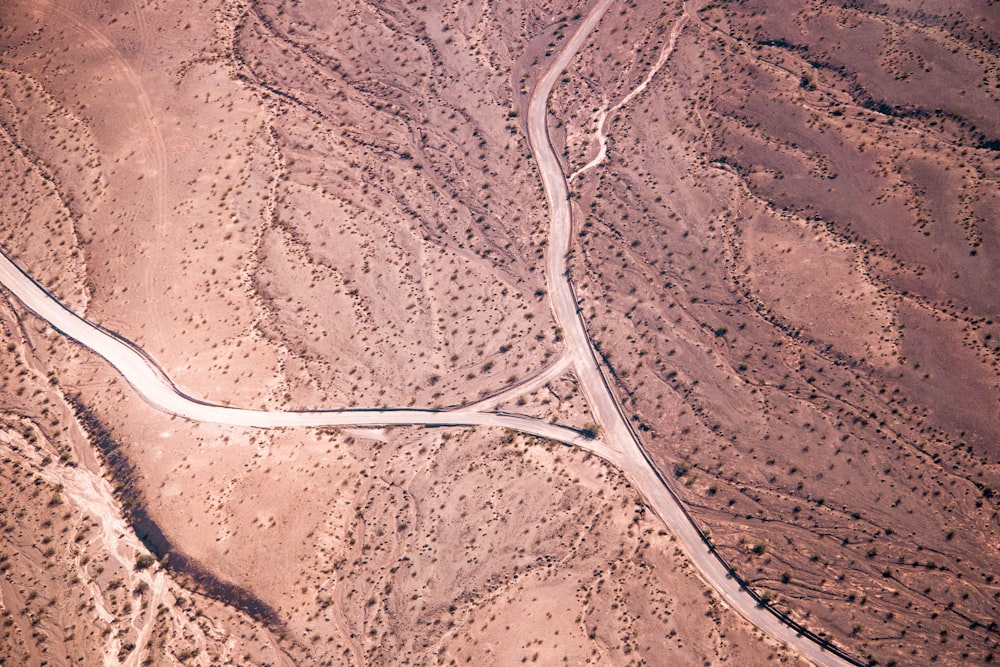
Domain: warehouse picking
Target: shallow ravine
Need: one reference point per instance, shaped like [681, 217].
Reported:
[153, 593]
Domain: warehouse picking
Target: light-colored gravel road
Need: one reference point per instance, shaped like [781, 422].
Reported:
[146, 377]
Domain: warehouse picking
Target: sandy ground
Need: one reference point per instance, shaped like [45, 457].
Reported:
[786, 255]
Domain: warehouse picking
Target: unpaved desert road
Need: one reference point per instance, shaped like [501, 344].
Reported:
[619, 437]
[618, 445]
[146, 377]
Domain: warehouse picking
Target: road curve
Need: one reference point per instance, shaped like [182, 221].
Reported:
[150, 382]
[616, 432]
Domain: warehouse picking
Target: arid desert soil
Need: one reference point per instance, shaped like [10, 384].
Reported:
[812, 192]
[786, 258]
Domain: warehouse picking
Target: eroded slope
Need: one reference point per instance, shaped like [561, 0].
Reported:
[787, 260]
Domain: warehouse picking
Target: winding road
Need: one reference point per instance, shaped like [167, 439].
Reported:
[149, 380]
[618, 444]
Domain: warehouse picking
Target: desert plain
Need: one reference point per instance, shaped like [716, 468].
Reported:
[784, 251]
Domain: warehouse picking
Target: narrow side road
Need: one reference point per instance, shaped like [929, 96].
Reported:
[146, 377]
